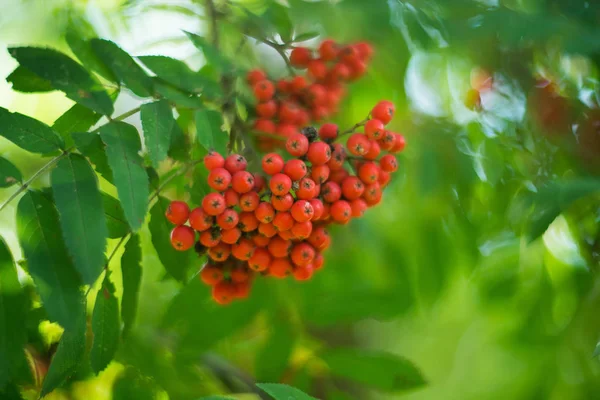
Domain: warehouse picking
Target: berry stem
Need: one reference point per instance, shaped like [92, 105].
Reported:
[354, 127]
[280, 49]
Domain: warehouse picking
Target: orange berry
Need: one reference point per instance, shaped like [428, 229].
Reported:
[280, 268]
[319, 153]
[210, 238]
[388, 163]
[279, 247]
[297, 145]
[302, 211]
[388, 141]
[213, 204]
[317, 208]
[282, 203]
[228, 219]
[399, 144]
[320, 173]
[260, 260]
[242, 182]
[368, 172]
[331, 192]
[211, 274]
[280, 184]
[240, 274]
[243, 250]
[223, 292]
[302, 254]
[261, 240]
[232, 198]
[267, 229]
[235, 163]
[183, 237]
[303, 273]
[220, 252]
[265, 212]
[374, 150]
[358, 206]
[231, 236]
[295, 169]
[283, 221]
[178, 212]
[341, 211]
[302, 230]
[307, 189]
[358, 144]
[249, 201]
[272, 163]
[374, 129]
[199, 220]
[352, 188]
[213, 160]
[248, 222]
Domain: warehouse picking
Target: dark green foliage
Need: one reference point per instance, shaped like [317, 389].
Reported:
[132, 279]
[157, 121]
[9, 174]
[28, 133]
[23, 80]
[115, 217]
[283, 392]
[66, 75]
[91, 146]
[77, 119]
[106, 326]
[209, 131]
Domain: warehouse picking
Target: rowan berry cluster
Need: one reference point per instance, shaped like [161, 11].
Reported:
[273, 222]
[285, 106]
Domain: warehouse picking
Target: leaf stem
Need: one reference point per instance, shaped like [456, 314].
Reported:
[280, 49]
[126, 114]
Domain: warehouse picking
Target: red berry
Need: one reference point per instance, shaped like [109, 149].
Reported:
[317, 69]
[319, 113]
[243, 250]
[341, 211]
[300, 57]
[228, 219]
[264, 90]
[283, 221]
[383, 111]
[338, 175]
[279, 247]
[288, 112]
[213, 160]
[260, 260]
[259, 182]
[388, 163]
[267, 109]
[283, 86]
[303, 117]
[302, 211]
[357, 68]
[200, 220]
[280, 268]
[265, 125]
[264, 212]
[268, 230]
[384, 178]
[220, 252]
[183, 237]
[317, 208]
[298, 84]
[316, 95]
[352, 188]
[303, 273]
[295, 169]
[328, 132]
[301, 230]
[282, 203]
[249, 201]
[235, 163]
[368, 172]
[210, 238]
[297, 145]
[388, 141]
[231, 236]
[307, 189]
[242, 182]
[232, 198]
[364, 49]
[280, 184]
[178, 212]
[254, 76]
[319, 238]
[320, 173]
[372, 194]
[302, 254]
[219, 179]
[331, 192]
[348, 53]
[223, 292]
[286, 235]
[318, 262]
[286, 129]
[358, 206]
[358, 144]
[339, 72]
[211, 275]
[338, 157]
[328, 50]
[399, 144]
[374, 129]
[213, 204]
[248, 222]
[319, 153]
[239, 274]
[261, 240]
[374, 150]
[272, 163]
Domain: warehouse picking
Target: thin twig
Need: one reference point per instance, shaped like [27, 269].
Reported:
[182, 171]
[354, 127]
[115, 249]
[26, 184]
[280, 49]
[126, 114]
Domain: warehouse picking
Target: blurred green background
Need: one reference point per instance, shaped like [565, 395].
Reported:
[480, 264]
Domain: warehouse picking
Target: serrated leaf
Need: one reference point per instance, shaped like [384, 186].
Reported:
[123, 66]
[115, 217]
[13, 307]
[157, 122]
[91, 146]
[176, 263]
[177, 73]
[29, 133]
[66, 75]
[9, 173]
[82, 48]
[209, 131]
[305, 36]
[272, 359]
[379, 370]
[76, 119]
[280, 391]
[179, 148]
[132, 276]
[105, 326]
[23, 80]
[212, 55]
[176, 95]
[82, 219]
[122, 147]
[48, 263]
[69, 354]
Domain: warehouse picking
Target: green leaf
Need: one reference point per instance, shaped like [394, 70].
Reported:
[280, 391]
[78, 200]
[23, 80]
[177, 96]
[209, 131]
[177, 73]
[82, 48]
[379, 370]
[9, 173]
[132, 276]
[279, 18]
[216, 398]
[132, 385]
[212, 55]
[124, 67]
[200, 186]
[115, 217]
[305, 36]
[29, 133]
[157, 121]
[66, 75]
[105, 326]
[48, 263]
[91, 146]
[272, 359]
[77, 119]
[122, 147]
[69, 354]
[13, 307]
[179, 148]
[176, 263]
[550, 201]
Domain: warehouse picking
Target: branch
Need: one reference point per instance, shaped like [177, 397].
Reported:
[280, 49]
[354, 127]
[230, 375]
[126, 114]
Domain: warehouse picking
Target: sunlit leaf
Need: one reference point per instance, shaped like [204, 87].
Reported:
[105, 326]
[157, 122]
[29, 133]
[212, 55]
[122, 147]
[79, 203]
[303, 37]
[82, 48]
[9, 173]
[66, 75]
[132, 276]
[176, 95]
